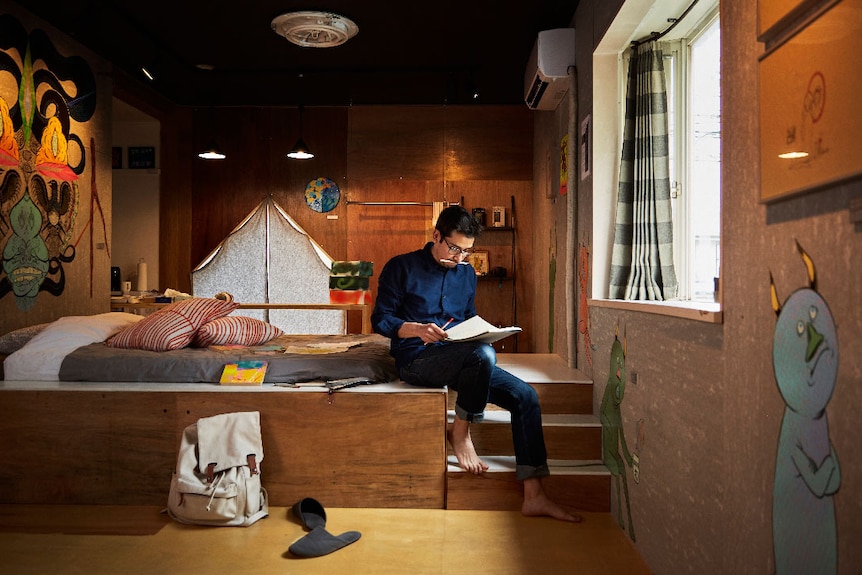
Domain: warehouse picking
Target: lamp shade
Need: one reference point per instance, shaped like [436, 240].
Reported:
[300, 151]
[212, 152]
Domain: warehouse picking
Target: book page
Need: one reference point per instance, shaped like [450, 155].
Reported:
[477, 329]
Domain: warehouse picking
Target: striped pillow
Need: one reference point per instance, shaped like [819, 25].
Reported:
[173, 326]
[235, 330]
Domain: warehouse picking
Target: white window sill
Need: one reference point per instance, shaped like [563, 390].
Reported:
[707, 312]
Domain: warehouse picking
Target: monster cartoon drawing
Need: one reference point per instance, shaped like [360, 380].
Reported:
[612, 429]
[807, 473]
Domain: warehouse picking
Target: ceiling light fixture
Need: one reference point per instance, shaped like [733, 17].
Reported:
[313, 29]
[300, 151]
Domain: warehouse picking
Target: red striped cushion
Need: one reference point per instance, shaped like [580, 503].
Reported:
[173, 326]
[235, 330]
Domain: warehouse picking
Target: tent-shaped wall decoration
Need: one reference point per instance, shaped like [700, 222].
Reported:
[269, 258]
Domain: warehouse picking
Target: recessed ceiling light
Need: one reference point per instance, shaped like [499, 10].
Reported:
[313, 29]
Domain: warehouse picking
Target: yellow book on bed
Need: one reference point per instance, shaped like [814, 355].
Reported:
[243, 373]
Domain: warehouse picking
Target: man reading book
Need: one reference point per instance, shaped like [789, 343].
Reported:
[420, 292]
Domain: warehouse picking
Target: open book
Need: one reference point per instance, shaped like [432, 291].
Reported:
[477, 329]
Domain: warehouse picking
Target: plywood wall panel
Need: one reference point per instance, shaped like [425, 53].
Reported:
[379, 232]
[396, 142]
[325, 133]
[489, 145]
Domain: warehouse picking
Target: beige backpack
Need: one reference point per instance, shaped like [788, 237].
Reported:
[217, 478]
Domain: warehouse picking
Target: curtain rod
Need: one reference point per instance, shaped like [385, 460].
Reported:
[656, 35]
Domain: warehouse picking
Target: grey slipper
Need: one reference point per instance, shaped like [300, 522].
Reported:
[310, 513]
[320, 542]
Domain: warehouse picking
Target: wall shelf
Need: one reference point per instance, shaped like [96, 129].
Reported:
[511, 271]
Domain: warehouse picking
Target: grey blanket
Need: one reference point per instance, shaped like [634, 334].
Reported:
[308, 358]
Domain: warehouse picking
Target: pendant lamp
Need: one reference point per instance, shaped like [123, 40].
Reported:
[212, 152]
[300, 151]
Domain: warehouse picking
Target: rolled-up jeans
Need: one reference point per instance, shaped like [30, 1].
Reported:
[470, 369]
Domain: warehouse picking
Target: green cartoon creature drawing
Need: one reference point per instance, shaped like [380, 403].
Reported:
[807, 473]
[613, 436]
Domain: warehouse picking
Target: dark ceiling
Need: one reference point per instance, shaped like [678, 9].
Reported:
[410, 53]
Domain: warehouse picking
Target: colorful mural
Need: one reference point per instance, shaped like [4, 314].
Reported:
[807, 473]
[613, 435]
[44, 98]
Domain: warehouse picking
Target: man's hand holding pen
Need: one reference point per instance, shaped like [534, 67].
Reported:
[427, 332]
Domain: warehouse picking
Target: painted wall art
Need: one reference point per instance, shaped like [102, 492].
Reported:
[807, 472]
[322, 195]
[45, 97]
[811, 128]
[613, 434]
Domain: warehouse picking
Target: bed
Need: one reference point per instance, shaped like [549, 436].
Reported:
[100, 425]
[80, 348]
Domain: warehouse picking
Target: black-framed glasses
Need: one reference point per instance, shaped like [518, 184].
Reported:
[456, 251]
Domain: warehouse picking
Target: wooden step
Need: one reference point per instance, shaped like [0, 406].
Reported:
[561, 389]
[583, 485]
[567, 436]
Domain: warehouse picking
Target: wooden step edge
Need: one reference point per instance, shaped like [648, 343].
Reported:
[541, 368]
[506, 464]
[548, 419]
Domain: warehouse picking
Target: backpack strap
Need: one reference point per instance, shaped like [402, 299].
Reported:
[252, 463]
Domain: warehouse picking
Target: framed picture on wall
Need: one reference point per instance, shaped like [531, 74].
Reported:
[810, 126]
[479, 261]
[142, 157]
[586, 147]
[775, 17]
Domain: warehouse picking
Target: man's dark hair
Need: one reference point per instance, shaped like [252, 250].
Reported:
[457, 219]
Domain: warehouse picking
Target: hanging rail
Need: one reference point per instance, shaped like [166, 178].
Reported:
[445, 203]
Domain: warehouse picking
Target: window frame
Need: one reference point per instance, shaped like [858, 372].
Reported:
[603, 215]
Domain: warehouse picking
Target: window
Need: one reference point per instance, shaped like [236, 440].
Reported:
[694, 98]
[692, 67]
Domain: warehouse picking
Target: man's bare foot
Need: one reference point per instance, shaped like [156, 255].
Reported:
[538, 504]
[462, 444]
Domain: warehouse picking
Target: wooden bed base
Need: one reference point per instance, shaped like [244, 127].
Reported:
[116, 444]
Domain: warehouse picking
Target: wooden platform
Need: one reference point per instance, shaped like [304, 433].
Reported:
[380, 446]
[116, 444]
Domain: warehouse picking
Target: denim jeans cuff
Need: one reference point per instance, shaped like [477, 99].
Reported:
[471, 417]
[523, 472]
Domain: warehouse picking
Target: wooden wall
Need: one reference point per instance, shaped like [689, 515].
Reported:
[374, 154]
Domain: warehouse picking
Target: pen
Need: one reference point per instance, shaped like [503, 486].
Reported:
[454, 262]
[445, 325]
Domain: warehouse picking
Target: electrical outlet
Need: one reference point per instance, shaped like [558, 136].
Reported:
[633, 377]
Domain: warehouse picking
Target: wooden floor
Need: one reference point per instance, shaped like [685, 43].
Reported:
[96, 540]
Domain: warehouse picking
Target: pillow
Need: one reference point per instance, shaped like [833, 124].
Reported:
[235, 330]
[173, 326]
[15, 340]
[40, 358]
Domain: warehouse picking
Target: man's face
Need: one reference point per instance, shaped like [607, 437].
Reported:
[453, 250]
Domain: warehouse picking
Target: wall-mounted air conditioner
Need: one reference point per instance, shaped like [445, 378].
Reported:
[546, 79]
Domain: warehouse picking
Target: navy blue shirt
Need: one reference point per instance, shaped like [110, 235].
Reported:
[414, 287]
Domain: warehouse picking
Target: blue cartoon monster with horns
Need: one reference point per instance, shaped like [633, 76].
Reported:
[807, 473]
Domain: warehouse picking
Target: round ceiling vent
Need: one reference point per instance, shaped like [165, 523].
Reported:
[313, 29]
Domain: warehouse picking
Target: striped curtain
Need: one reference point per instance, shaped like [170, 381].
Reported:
[642, 261]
